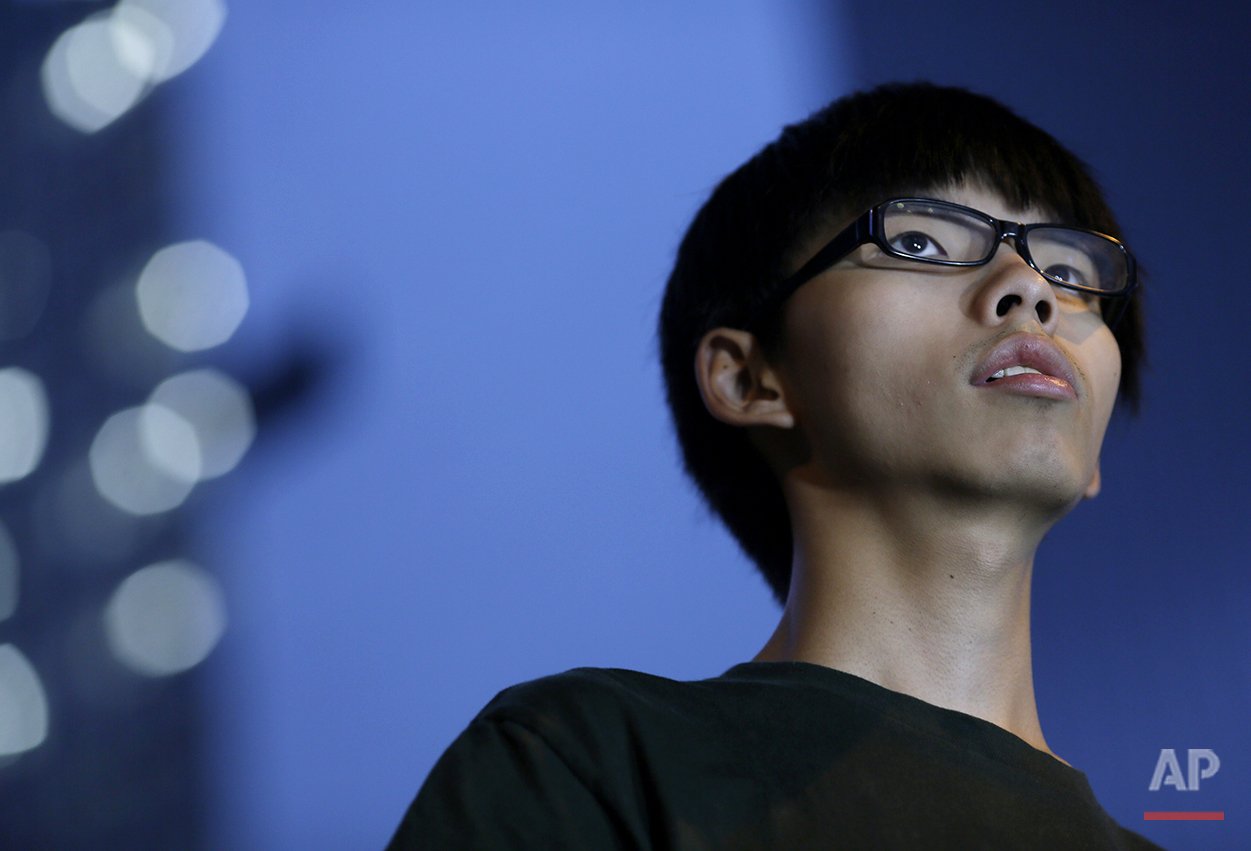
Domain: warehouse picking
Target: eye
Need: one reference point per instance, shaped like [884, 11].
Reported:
[1073, 276]
[1068, 274]
[914, 243]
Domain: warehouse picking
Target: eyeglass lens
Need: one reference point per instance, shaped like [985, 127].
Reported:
[940, 233]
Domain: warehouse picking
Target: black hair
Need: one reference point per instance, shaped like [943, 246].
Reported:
[858, 151]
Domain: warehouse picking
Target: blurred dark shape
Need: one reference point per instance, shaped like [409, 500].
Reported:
[121, 764]
[292, 386]
[80, 214]
[313, 359]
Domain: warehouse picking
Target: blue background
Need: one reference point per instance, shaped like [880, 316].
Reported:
[469, 213]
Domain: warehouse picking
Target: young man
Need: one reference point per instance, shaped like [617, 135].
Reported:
[892, 343]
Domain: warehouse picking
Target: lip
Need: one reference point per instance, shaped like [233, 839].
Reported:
[1057, 381]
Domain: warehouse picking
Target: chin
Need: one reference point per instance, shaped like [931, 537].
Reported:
[1048, 490]
[1049, 496]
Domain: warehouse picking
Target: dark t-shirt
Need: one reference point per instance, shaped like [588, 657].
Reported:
[778, 755]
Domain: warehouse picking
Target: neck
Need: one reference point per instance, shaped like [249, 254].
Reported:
[929, 597]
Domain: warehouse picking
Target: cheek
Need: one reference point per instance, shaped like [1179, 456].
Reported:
[862, 362]
[838, 345]
[1092, 348]
[1101, 358]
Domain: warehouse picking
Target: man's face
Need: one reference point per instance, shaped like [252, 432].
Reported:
[893, 370]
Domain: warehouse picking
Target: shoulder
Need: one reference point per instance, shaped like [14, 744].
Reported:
[607, 704]
[597, 686]
[591, 703]
[619, 689]
[614, 723]
[547, 764]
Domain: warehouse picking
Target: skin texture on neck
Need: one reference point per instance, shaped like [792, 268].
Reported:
[924, 599]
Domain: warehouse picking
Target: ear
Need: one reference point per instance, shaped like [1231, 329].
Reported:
[1092, 489]
[736, 382]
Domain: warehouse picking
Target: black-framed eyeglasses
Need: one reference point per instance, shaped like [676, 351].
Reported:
[946, 234]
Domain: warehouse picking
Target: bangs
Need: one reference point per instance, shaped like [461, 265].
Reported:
[913, 138]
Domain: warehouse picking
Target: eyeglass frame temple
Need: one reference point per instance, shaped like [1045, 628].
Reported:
[850, 238]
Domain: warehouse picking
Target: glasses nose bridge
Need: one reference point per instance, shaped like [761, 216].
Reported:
[1015, 231]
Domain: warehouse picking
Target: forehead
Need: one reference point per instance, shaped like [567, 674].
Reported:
[979, 197]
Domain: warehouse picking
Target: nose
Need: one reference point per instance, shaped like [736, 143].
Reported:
[1011, 292]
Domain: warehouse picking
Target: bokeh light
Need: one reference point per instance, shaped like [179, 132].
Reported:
[100, 68]
[145, 459]
[170, 443]
[142, 42]
[25, 271]
[85, 81]
[23, 422]
[192, 295]
[165, 618]
[163, 38]
[93, 193]
[23, 706]
[9, 573]
[220, 411]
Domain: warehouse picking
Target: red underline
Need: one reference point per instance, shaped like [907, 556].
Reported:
[1183, 816]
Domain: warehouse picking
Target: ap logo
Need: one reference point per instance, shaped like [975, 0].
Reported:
[1169, 773]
